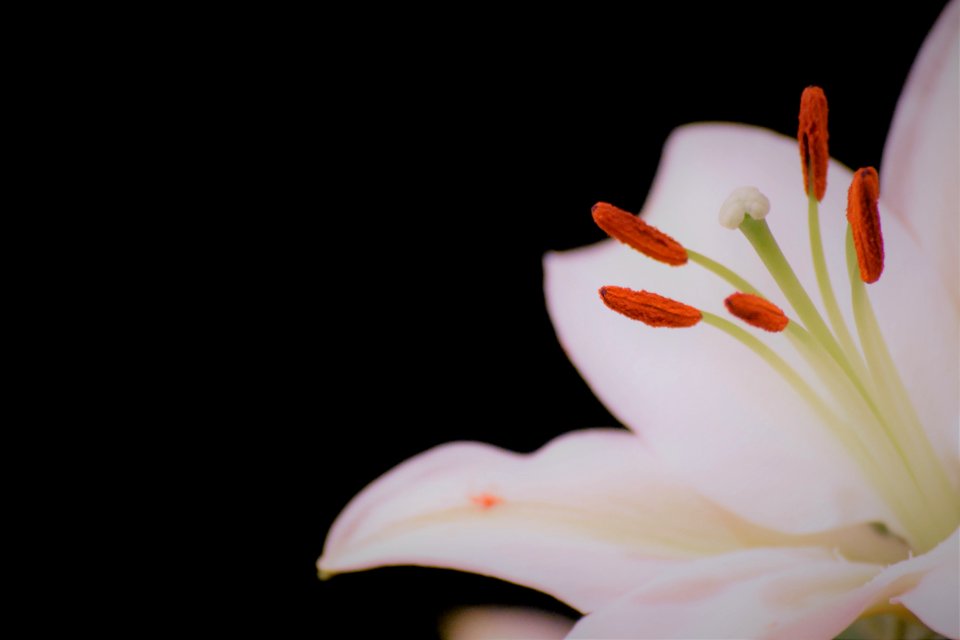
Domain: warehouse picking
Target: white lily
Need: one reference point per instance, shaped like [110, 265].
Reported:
[743, 508]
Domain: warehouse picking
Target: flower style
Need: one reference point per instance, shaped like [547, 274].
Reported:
[782, 490]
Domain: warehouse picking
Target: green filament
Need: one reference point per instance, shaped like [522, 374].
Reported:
[727, 274]
[826, 289]
[760, 236]
[908, 434]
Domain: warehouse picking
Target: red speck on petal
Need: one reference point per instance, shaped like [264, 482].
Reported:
[486, 500]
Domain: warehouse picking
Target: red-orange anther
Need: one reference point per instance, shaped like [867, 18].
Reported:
[649, 308]
[634, 232]
[812, 135]
[757, 311]
[864, 219]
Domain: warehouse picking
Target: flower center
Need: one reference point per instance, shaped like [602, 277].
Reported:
[866, 406]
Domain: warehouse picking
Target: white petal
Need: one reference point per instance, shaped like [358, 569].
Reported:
[930, 586]
[762, 593]
[921, 160]
[504, 623]
[583, 519]
[781, 593]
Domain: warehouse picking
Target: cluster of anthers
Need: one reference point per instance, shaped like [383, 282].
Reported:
[871, 413]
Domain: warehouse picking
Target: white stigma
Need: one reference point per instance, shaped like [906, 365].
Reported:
[743, 201]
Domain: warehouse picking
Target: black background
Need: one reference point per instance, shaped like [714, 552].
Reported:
[405, 306]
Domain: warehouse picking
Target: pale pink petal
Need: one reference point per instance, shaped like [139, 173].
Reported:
[701, 400]
[920, 173]
[583, 519]
[929, 585]
[504, 623]
[580, 519]
[781, 593]
[761, 593]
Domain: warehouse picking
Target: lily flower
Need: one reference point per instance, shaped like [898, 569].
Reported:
[786, 479]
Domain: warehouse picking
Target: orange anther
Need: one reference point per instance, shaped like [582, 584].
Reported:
[634, 232]
[864, 218]
[650, 308]
[812, 135]
[757, 311]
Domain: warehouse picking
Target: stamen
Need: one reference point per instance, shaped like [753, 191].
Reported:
[826, 290]
[812, 135]
[649, 308]
[743, 201]
[757, 311]
[634, 232]
[864, 219]
[723, 272]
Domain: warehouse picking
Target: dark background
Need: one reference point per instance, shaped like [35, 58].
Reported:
[443, 163]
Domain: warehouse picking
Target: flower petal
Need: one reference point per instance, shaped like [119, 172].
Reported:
[583, 519]
[930, 586]
[921, 160]
[760, 593]
[504, 623]
[580, 519]
[781, 593]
